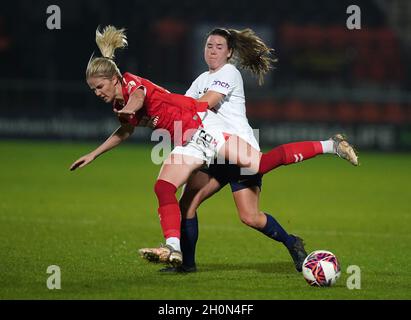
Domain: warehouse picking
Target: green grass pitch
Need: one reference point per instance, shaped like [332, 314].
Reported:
[91, 222]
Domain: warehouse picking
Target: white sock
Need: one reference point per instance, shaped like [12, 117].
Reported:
[174, 242]
[328, 146]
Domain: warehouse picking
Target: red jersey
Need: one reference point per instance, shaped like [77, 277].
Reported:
[166, 107]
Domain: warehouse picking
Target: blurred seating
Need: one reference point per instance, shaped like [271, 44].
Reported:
[371, 54]
[340, 112]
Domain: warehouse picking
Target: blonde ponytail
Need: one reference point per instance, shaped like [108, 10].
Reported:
[108, 41]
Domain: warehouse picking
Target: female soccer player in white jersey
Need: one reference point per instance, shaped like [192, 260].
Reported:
[205, 136]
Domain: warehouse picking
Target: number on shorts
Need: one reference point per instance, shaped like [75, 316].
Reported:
[204, 139]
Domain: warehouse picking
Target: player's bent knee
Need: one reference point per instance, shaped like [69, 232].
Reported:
[250, 220]
[184, 207]
[189, 206]
[187, 199]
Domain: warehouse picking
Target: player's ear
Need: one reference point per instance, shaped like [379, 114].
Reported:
[230, 52]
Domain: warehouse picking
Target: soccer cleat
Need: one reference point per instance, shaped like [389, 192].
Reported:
[298, 253]
[163, 254]
[343, 149]
[180, 269]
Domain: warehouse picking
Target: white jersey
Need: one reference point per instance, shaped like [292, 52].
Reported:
[229, 82]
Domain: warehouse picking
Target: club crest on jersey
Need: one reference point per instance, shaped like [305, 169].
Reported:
[130, 86]
[221, 84]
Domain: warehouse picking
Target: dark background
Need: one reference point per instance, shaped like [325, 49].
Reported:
[327, 79]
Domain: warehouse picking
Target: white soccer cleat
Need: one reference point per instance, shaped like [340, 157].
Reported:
[163, 254]
[344, 150]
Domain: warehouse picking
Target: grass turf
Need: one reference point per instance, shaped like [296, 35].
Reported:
[91, 222]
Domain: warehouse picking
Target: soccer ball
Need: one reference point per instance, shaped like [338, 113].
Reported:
[321, 268]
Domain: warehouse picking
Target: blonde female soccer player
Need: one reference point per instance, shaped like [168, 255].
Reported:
[204, 136]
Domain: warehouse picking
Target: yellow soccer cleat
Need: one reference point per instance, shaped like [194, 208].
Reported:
[344, 150]
[163, 254]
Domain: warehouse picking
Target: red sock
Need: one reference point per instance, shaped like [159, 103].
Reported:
[288, 154]
[168, 210]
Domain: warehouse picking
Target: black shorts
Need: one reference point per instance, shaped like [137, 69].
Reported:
[230, 173]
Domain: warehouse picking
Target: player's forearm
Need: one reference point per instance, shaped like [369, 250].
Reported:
[118, 136]
[135, 102]
[212, 98]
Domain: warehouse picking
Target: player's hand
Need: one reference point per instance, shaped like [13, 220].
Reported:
[83, 161]
[125, 114]
[148, 122]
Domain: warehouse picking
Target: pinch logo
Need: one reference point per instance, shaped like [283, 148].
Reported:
[221, 84]
[130, 86]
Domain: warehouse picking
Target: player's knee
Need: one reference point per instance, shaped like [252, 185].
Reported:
[250, 219]
[184, 204]
[253, 218]
[187, 198]
[243, 161]
[189, 204]
[249, 162]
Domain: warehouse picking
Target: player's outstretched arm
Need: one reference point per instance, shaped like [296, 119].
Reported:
[135, 103]
[118, 136]
[83, 161]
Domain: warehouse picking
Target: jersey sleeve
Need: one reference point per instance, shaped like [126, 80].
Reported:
[225, 81]
[193, 91]
[133, 83]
